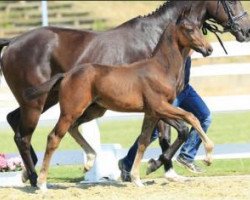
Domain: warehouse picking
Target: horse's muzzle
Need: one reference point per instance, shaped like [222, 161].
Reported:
[206, 51]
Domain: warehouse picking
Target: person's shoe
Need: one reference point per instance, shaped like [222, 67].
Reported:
[172, 176]
[125, 175]
[191, 166]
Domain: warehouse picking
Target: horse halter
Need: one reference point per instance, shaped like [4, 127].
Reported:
[232, 24]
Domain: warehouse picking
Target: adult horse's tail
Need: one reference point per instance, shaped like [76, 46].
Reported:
[3, 42]
[35, 92]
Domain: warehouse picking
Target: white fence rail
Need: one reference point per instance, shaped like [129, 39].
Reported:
[233, 48]
[217, 103]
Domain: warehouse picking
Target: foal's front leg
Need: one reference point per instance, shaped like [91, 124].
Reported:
[148, 126]
[167, 111]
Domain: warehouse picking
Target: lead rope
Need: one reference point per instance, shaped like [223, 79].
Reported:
[214, 29]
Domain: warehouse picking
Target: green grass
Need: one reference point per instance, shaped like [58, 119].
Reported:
[39, 140]
[218, 168]
[226, 128]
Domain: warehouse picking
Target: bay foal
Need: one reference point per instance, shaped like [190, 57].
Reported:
[148, 86]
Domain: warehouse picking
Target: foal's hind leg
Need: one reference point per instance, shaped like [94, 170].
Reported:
[54, 138]
[53, 141]
[72, 105]
[148, 126]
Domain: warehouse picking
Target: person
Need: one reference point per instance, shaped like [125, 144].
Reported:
[189, 100]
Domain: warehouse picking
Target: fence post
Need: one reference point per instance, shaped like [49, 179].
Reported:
[45, 21]
[106, 164]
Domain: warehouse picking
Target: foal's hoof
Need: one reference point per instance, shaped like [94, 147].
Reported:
[152, 166]
[138, 183]
[43, 187]
[172, 176]
[85, 169]
[207, 162]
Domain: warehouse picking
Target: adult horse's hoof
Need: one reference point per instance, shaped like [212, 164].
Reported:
[25, 176]
[152, 166]
[85, 169]
[33, 179]
[90, 162]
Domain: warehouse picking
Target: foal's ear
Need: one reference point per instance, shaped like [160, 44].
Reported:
[184, 14]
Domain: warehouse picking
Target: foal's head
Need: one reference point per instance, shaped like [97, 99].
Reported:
[190, 36]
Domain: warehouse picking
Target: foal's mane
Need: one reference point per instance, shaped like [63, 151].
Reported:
[161, 38]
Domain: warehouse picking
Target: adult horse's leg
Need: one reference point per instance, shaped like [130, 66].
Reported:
[169, 152]
[165, 141]
[23, 135]
[92, 112]
[13, 119]
[90, 152]
[23, 122]
[148, 126]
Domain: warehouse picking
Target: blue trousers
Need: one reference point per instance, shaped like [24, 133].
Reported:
[190, 101]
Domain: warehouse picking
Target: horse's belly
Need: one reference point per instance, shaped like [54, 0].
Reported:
[122, 103]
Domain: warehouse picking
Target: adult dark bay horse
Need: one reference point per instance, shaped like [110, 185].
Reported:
[148, 86]
[33, 57]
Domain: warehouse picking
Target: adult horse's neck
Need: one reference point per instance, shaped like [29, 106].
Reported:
[151, 27]
[135, 39]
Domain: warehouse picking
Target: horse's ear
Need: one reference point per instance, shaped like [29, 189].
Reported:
[187, 12]
[184, 14]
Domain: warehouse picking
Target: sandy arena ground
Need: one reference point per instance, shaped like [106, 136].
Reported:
[201, 188]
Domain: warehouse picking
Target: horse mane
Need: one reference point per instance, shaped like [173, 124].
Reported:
[159, 10]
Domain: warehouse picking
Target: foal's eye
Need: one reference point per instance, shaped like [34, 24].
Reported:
[189, 29]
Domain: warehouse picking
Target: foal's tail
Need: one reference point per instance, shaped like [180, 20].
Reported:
[35, 92]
